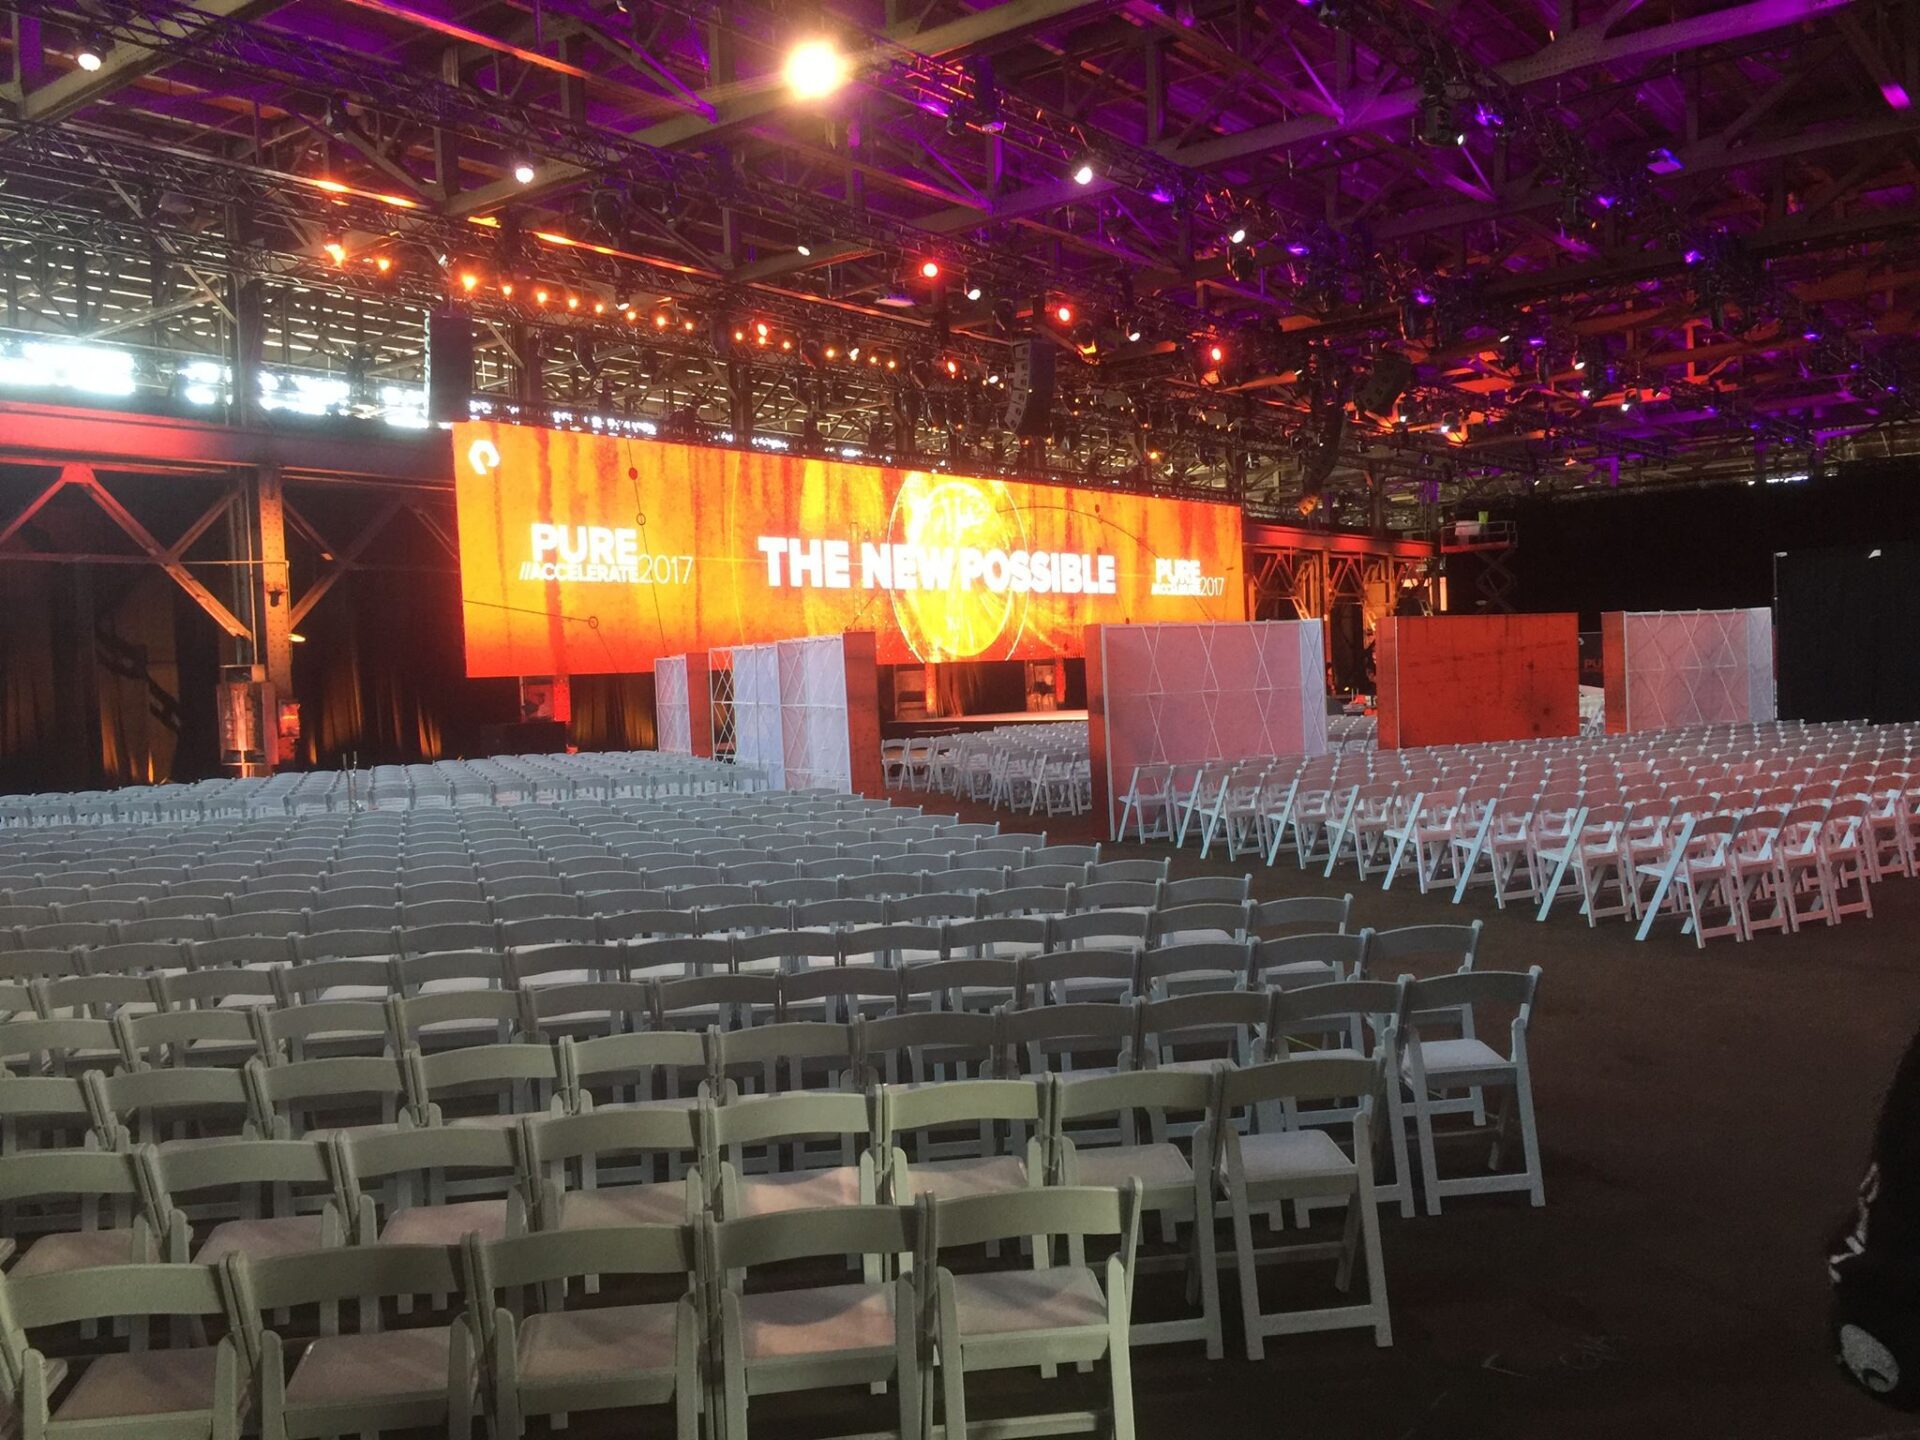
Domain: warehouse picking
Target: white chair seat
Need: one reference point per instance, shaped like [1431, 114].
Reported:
[151, 1382]
[650, 1204]
[385, 1365]
[1060, 1297]
[1157, 1167]
[612, 1340]
[258, 1239]
[75, 1250]
[799, 1190]
[817, 1320]
[968, 1175]
[1456, 1057]
[446, 1224]
[1295, 1157]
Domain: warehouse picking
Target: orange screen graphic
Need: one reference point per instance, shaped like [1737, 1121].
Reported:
[583, 554]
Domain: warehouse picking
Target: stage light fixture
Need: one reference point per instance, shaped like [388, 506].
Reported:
[1237, 235]
[1083, 171]
[929, 269]
[540, 297]
[1133, 332]
[469, 282]
[523, 172]
[336, 252]
[815, 69]
[973, 291]
[803, 251]
[383, 263]
[506, 289]
[573, 302]
[1216, 353]
[91, 56]
[853, 352]
[1064, 314]
[661, 319]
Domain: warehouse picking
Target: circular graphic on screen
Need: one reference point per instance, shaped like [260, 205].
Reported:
[953, 513]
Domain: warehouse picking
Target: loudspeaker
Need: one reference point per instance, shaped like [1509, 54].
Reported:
[1392, 373]
[1030, 387]
[449, 366]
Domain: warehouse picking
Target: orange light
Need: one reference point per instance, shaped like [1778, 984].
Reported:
[506, 288]
[1216, 354]
[469, 281]
[892, 364]
[686, 325]
[599, 307]
[573, 302]
[786, 344]
[336, 252]
[632, 315]
[382, 264]
[953, 367]
[540, 297]
[833, 352]
[929, 269]
[760, 328]
[739, 336]
[660, 321]
[1064, 314]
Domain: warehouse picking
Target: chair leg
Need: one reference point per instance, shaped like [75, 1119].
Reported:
[1402, 1161]
[1429, 1165]
[1529, 1135]
[952, 1369]
[1119, 1377]
[1376, 1266]
[1208, 1259]
[1249, 1273]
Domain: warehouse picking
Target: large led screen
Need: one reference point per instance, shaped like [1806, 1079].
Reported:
[583, 553]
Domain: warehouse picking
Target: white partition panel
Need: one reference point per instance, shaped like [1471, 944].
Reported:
[1176, 694]
[673, 720]
[813, 714]
[1684, 668]
[757, 730]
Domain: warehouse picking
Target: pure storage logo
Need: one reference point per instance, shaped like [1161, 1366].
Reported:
[599, 555]
[1185, 579]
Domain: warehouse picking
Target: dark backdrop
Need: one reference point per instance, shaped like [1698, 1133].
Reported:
[1847, 633]
[1700, 549]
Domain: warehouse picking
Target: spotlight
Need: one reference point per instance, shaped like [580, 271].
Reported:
[973, 292]
[506, 289]
[336, 252]
[853, 352]
[814, 69]
[1237, 236]
[661, 319]
[832, 352]
[1216, 353]
[382, 263]
[1628, 397]
[1083, 171]
[803, 250]
[523, 172]
[540, 297]
[1133, 333]
[469, 282]
[573, 302]
[91, 56]
[1064, 314]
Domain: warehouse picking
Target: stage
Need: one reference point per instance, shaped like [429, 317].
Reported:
[955, 724]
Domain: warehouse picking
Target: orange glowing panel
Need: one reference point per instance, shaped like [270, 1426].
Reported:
[584, 554]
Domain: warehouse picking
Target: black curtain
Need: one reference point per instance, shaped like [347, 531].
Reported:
[1844, 628]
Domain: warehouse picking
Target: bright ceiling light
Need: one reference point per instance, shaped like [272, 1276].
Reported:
[1083, 173]
[815, 69]
[88, 59]
[523, 172]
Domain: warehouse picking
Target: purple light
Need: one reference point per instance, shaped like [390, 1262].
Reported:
[1537, 342]
[1605, 202]
[1895, 94]
[1297, 248]
[1423, 297]
[1160, 196]
[1662, 161]
[1692, 256]
[1810, 333]
[1488, 119]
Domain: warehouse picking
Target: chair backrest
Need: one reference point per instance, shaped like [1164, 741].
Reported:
[367, 1274]
[1056, 1210]
[1179, 1090]
[1304, 1078]
[906, 1107]
[1331, 956]
[1412, 949]
[64, 1297]
[1201, 1011]
[619, 1059]
[804, 1234]
[754, 1119]
[1317, 913]
[1477, 987]
[494, 1266]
